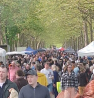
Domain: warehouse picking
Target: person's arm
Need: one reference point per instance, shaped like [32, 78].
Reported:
[52, 75]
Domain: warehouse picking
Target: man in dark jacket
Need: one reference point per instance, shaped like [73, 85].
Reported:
[33, 89]
[5, 84]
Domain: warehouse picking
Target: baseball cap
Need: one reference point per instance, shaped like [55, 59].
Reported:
[31, 72]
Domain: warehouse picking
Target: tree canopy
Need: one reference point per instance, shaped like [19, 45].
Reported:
[50, 21]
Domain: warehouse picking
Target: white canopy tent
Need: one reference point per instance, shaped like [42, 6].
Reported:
[87, 51]
[3, 55]
[15, 52]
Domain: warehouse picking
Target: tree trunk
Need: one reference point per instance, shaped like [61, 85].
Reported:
[0, 29]
[76, 44]
[23, 39]
[38, 44]
[71, 42]
[82, 40]
[18, 43]
[85, 33]
[35, 41]
[65, 44]
[42, 44]
[91, 31]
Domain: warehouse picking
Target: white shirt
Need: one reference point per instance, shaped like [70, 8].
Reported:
[48, 73]
[1, 84]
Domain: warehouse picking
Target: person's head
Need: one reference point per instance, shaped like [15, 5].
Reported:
[73, 63]
[38, 67]
[65, 68]
[24, 64]
[1, 62]
[18, 65]
[55, 61]
[3, 73]
[82, 70]
[47, 65]
[13, 63]
[88, 91]
[33, 63]
[54, 67]
[69, 68]
[27, 67]
[32, 77]
[68, 63]
[19, 73]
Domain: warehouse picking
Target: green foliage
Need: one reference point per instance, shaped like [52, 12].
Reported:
[52, 21]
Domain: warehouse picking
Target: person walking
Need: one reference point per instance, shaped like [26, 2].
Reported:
[55, 80]
[49, 75]
[41, 77]
[6, 84]
[20, 81]
[27, 68]
[33, 89]
[12, 70]
[69, 83]
[82, 80]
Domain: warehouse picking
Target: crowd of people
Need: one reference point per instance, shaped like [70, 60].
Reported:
[36, 76]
